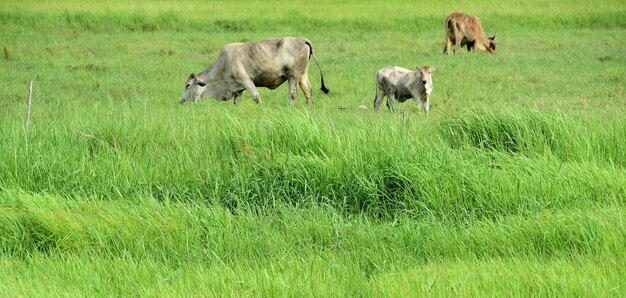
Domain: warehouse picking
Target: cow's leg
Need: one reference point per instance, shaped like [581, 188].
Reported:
[425, 102]
[293, 89]
[470, 45]
[249, 85]
[380, 94]
[417, 102]
[458, 39]
[391, 99]
[446, 50]
[237, 97]
[305, 85]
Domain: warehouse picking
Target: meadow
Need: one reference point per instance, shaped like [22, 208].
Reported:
[513, 184]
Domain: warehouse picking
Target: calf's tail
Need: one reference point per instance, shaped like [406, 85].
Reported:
[324, 89]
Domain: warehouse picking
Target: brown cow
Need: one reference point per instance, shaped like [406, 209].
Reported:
[466, 30]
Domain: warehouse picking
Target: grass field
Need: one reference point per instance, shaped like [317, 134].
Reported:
[513, 184]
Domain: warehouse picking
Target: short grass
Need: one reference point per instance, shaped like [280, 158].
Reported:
[513, 184]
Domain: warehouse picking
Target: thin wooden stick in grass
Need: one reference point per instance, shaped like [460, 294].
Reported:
[212, 16]
[30, 97]
[403, 118]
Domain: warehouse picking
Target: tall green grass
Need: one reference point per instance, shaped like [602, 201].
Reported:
[536, 134]
[52, 245]
[481, 165]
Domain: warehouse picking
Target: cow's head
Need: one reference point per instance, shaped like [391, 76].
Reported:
[425, 73]
[492, 45]
[194, 88]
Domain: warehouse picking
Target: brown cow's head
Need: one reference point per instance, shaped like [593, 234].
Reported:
[194, 88]
[425, 73]
[486, 44]
[492, 45]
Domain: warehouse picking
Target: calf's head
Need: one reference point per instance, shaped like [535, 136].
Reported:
[194, 88]
[425, 73]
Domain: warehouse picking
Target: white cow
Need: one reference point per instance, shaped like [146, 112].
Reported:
[400, 84]
[246, 66]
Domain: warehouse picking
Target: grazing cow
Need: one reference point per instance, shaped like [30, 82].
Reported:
[400, 84]
[246, 66]
[466, 30]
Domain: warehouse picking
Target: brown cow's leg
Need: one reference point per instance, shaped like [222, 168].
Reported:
[457, 38]
[470, 45]
[446, 50]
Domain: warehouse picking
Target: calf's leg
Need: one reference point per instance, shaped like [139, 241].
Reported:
[380, 94]
[425, 102]
[391, 99]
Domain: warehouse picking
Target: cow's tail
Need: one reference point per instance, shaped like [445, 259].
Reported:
[450, 24]
[311, 54]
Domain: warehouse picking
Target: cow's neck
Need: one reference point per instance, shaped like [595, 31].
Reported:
[415, 82]
[482, 43]
[218, 87]
[428, 88]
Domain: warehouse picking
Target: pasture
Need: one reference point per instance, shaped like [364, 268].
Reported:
[513, 184]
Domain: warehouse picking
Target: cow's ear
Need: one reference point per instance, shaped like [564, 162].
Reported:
[197, 80]
[433, 68]
[191, 76]
[493, 38]
[418, 67]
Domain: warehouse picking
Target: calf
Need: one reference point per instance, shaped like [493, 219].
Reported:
[400, 84]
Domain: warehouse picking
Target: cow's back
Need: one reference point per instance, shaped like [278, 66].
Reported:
[469, 26]
[390, 75]
[267, 62]
[271, 54]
